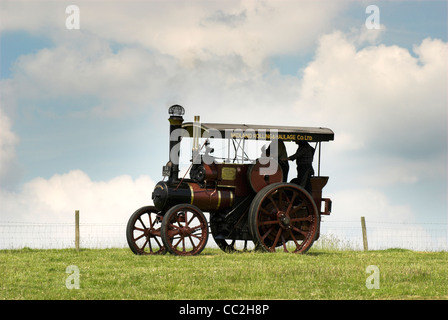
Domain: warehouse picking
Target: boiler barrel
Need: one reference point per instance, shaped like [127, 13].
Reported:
[206, 199]
[211, 200]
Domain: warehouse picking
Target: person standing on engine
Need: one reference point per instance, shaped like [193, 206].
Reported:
[304, 159]
[281, 156]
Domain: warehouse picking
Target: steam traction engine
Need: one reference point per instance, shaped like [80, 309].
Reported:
[249, 204]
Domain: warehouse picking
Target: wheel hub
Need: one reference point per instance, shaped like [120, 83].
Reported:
[148, 232]
[285, 221]
[186, 231]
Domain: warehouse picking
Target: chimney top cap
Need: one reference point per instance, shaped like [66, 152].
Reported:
[176, 110]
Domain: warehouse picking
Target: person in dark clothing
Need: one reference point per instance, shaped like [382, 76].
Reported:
[281, 156]
[304, 159]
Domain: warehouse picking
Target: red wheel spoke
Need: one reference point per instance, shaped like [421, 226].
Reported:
[291, 202]
[293, 238]
[265, 211]
[283, 200]
[196, 236]
[280, 197]
[276, 238]
[150, 222]
[196, 228]
[192, 218]
[285, 249]
[305, 233]
[177, 243]
[140, 219]
[300, 206]
[173, 226]
[185, 217]
[273, 202]
[149, 245]
[267, 233]
[138, 238]
[192, 243]
[158, 243]
[172, 233]
[268, 222]
[308, 218]
[144, 244]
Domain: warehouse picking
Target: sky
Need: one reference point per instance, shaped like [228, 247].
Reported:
[83, 106]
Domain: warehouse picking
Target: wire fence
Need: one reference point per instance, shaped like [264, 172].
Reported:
[384, 235]
[15, 235]
[339, 235]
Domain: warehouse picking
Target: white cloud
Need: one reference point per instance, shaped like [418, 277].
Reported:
[122, 82]
[211, 53]
[187, 31]
[56, 199]
[8, 139]
[133, 79]
[31, 16]
[201, 53]
[383, 102]
[202, 29]
[374, 205]
[376, 87]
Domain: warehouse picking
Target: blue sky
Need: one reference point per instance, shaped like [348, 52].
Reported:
[86, 110]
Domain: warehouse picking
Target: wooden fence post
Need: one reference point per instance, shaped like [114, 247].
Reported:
[364, 234]
[77, 230]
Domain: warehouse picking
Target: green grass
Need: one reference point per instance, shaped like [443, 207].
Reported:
[320, 274]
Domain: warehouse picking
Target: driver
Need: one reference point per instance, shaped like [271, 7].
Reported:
[304, 159]
[281, 157]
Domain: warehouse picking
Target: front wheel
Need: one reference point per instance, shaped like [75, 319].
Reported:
[184, 230]
[284, 215]
[143, 232]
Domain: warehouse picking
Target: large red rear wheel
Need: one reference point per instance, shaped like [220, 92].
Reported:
[284, 216]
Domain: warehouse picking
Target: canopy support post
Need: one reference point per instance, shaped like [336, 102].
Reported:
[318, 163]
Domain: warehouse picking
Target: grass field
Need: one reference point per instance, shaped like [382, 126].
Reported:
[119, 274]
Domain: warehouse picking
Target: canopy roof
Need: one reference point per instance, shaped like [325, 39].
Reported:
[263, 132]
